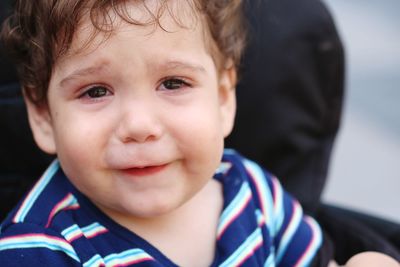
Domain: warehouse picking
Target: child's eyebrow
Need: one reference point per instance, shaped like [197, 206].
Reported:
[169, 65]
[182, 65]
[81, 72]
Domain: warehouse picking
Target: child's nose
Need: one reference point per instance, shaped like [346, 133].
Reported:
[139, 123]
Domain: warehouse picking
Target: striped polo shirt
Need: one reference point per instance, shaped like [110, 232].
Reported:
[260, 225]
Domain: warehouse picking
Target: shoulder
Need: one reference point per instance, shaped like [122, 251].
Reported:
[243, 170]
[295, 237]
[243, 177]
[49, 196]
[23, 244]
[28, 235]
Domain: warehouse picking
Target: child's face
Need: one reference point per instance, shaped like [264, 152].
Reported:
[138, 121]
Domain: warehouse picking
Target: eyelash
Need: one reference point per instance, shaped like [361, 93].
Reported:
[105, 92]
[177, 82]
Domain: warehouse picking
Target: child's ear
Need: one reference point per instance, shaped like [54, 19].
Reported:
[41, 126]
[227, 95]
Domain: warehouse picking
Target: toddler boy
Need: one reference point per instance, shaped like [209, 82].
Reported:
[135, 98]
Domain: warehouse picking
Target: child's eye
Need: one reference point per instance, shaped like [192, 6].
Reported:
[97, 91]
[174, 83]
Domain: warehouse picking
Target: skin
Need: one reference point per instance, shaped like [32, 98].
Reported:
[372, 259]
[137, 121]
[369, 259]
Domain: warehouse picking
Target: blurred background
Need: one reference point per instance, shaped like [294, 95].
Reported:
[365, 166]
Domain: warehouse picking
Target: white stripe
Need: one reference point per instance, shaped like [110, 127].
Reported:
[236, 204]
[70, 229]
[278, 207]
[290, 230]
[244, 250]
[230, 151]
[35, 192]
[126, 257]
[270, 262]
[259, 217]
[95, 261]
[71, 232]
[92, 229]
[316, 242]
[38, 241]
[223, 168]
[267, 204]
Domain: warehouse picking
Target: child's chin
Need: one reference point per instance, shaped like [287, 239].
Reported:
[151, 211]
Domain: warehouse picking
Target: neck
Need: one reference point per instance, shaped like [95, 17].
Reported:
[187, 234]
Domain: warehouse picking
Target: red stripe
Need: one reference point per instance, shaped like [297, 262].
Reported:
[310, 245]
[235, 217]
[134, 262]
[102, 231]
[35, 236]
[59, 207]
[251, 253]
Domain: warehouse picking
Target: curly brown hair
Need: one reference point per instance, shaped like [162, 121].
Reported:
[39, 32]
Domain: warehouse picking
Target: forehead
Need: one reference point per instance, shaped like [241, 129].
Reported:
[100, 23]
[165, 39]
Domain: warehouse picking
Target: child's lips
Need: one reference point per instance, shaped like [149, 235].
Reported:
[144, 171]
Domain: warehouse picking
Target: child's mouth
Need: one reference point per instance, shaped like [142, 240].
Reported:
[143, 171]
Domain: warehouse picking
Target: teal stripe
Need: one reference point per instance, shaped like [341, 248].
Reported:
[317, 234]
[126, 254]
[94, 261]
[90, 227]
[259, 216]
[70, 230]
[239, 253]
[230, 151]
[265, 198]
[270, 262]
[290, 230]
[39, 244]
[30, 200]
[227, 213]
[72, 201]
[278, 206]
